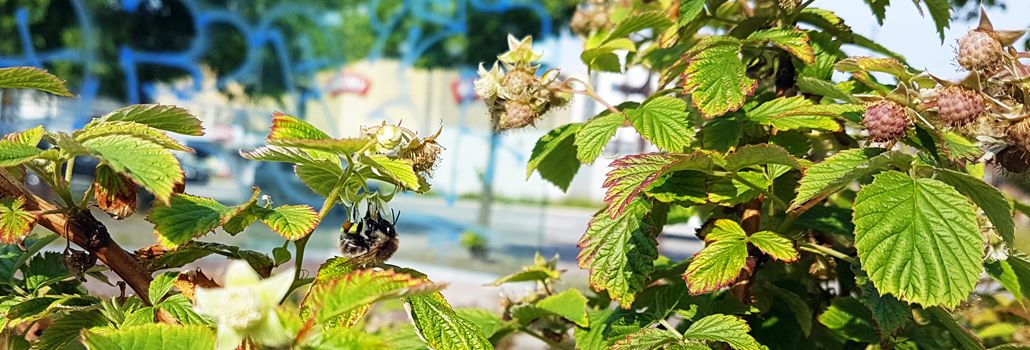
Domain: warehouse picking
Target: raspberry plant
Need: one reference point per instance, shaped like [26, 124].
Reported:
[176, 308]
[837, 213]
[840, 213]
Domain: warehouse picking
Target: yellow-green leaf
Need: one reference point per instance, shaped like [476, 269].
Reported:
[721, 260]
[163, 117]
[716, 78]
[186, 217]
[292, 222]
[15, 221]
[32, 78]
[148, 164]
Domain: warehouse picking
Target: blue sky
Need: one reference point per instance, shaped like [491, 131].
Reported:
[915, 37]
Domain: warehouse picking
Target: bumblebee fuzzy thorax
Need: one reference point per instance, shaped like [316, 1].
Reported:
[371, 241]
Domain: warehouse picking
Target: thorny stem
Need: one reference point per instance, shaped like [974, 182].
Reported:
[588, 91]
[825, 251]
[85, 231]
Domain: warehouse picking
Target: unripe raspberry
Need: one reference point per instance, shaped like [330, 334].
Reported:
[517, 82]
[516, 115]
[1019, 135]
[423, 156]
[979, 51]
[957, 106]
[886, 120]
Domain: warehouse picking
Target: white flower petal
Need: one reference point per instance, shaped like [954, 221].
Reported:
[271, 332]
[228, 339]
[274, 288]
[239, 273]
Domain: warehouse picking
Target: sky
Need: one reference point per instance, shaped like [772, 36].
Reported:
[905, 32]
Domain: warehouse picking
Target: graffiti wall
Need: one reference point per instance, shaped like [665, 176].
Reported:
[324, 88]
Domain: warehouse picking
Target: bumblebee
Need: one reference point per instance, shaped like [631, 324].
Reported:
[372, 240]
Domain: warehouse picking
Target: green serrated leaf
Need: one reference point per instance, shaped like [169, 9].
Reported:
[888, 312]
[918, 239]
[798, 113]
[400, 170]
[323, 148]
[161, 285]
[357, 289]
[15, 221]
[663, 121]
[619, 252]
[723, 328]
[554, 156]
[848, 318]
[772, 243]
[486, 320]
[1013, 273]
[441, 328]
[647, 339]
[32, 78]
[879, 8]
[987, 197]
[751, 155]
[722, 134]
[141, 316]
[65, 332]
[570, 304]
[640, 21]
[163, 117]
[720, 262]
[528, 273]
[30, 137]
[186, 217]
[320, 176]
[824, 88]
[148, 164]
[940, 11]
[835, 172]
[630, 175]
[104, 128]
[288, 127]
[958, 148]
[181, 308]
[292, 222]
[875, 64]
[15, 153]
[340, 338]
[716, 77]
[151, 336]
[278, 154]
[595, 134]
[729, 192]
[680, 186]
[792, 40]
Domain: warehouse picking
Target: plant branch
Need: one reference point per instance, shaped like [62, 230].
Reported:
[587, 91]
[81, 228]
[670, 328]
[826, 251]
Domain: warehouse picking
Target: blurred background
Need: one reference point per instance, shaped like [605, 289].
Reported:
[343, 64]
